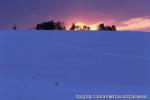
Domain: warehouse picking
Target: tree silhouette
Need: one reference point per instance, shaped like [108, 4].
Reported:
[60, 26]
[101, 27]
[89, 28]
[114, 28]
[79, 28]
[73, 27]
[107, 27]
[51, 25]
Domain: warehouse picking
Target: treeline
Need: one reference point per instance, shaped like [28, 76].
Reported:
[58, 25]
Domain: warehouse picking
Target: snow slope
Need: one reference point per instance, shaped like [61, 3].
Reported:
[57, 65]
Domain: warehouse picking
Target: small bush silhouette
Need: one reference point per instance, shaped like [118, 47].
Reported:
[108, 28]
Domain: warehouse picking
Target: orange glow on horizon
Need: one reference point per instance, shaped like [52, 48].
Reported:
[92, 26]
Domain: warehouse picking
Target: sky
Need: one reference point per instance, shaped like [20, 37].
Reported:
[131, 15]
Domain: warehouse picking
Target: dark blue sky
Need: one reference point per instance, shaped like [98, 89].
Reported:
[124, 13]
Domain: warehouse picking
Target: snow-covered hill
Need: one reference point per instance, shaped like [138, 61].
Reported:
[57, 65]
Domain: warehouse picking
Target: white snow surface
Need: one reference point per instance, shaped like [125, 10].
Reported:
[57, 65]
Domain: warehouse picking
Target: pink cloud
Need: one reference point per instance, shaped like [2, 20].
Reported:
[135, 24]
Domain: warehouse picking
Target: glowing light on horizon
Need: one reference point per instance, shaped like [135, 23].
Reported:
[92, 26]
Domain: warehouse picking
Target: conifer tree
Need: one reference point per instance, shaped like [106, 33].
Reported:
[73, 27]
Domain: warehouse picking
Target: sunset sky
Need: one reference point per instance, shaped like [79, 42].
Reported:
[126, 14]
